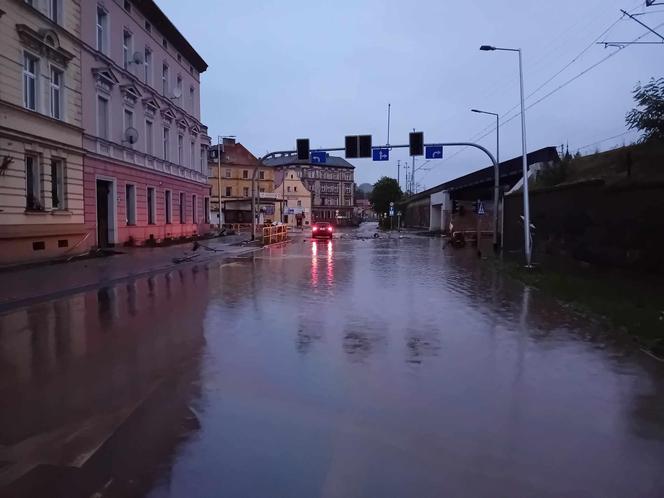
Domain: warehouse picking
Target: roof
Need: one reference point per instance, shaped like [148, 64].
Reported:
[510, 169]
[160, 21]
[236, 154]
[291, 159]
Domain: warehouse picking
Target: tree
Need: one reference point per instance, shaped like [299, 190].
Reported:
[385, 190]
[648, 115]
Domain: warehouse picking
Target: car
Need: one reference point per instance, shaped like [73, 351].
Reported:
[321, 229]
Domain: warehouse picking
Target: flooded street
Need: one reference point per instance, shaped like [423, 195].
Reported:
[349, 368]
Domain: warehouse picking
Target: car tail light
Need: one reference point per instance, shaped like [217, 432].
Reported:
[315, 228]
[329, 229]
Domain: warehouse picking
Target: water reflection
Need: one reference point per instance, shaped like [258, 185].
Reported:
[96, 388]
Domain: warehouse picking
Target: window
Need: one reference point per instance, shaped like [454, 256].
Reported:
[148, 26]
[245, 191]
[126, 48]
[194, 214]
[149, 149]
[152, 198]
[295, 188]
[182, 208]
[178, 89]
[30, 68]
[128, 123]
[261, 175]
[202, 159]
[229, 191]
[32, 184]
[164, 43]
[127, 5]
[180, 148]
[191, 69]
[192, 96]
[164, 79]
[192, 155]
[102, 23]
[228, 173]
[206, 210]
[288, 189]
[167, 144]
[299, 203]
[130, 204]
[168, 206]
[56, 93]
[57, 184]
[54, 10]
[261, 189]
[179, 58]
[148, 66]
[102, 118]
[245, 174]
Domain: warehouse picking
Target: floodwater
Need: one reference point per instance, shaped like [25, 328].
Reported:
[348, 368]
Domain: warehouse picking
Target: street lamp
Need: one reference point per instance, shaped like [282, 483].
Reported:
[496, 180]
[526, 203]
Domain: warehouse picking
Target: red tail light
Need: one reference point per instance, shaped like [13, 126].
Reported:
[314, 228]
[329, 229]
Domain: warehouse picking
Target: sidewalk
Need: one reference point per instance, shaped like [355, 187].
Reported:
[24, 286]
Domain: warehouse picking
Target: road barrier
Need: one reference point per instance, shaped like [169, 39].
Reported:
[274, 234]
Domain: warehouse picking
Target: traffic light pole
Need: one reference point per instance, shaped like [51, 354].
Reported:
[270, 155]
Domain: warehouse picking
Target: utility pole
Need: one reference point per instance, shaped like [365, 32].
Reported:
[399, 172]
[219, 177]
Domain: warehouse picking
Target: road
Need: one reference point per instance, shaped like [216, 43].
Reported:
[358, 367]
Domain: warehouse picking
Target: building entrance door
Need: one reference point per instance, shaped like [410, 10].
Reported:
[103, 212]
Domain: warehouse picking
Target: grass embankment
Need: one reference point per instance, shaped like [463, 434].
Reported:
[630, 303]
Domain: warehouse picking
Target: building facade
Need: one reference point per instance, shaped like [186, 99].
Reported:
[41, 158]
[297, 198]
[231, 171]
[330, 183]
[145, 166]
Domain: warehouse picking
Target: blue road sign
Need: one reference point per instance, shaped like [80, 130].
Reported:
[391, 211]
[480, 208]
[381, 154]
[434, 152]
[319, 157]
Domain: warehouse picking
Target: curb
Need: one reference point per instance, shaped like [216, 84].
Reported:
[28, 301]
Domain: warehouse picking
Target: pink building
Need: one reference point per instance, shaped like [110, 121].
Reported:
[145, 165]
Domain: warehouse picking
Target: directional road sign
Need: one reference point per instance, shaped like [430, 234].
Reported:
[381, 154]
[318, 157]
[434, 152]
[391, 211]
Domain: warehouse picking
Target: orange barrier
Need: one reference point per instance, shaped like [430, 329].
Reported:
[274, 234]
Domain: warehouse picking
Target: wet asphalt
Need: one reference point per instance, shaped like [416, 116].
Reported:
[356, 367]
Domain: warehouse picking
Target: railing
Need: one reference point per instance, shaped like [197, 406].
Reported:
[238, 227]
[274, 234]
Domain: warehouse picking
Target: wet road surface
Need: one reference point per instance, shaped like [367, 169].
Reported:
[349, 368]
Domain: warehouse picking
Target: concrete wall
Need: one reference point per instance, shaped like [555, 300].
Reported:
[613, 226]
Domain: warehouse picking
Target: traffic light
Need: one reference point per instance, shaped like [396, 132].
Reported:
[365, 145]
[416, 142]
[352, 147]
[302, 149]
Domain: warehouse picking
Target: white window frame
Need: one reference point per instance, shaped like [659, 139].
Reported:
[178, 87]
[192, 154]
[127, 123]
[55, 11]
[108, 117]
[149, 137]
[166, 143]
[53, 88]
[34, 76]
[180, 148]
[165, 75]
[102, 29]
[202, 158]
[130, 205]
[59, 184]
[192, 99]
[127, 48]
[148, 66]
[36, 186]
[228, 173]
[168, 207]
[151, 204]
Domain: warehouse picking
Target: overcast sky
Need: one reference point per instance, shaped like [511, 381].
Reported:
[280, 70]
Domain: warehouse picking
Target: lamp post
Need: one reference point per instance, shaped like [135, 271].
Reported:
[526, 203]
[496, 175]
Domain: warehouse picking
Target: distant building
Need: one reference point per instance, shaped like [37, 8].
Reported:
[231, 172]
[364, 211]
[296, 196]
[330, 184]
